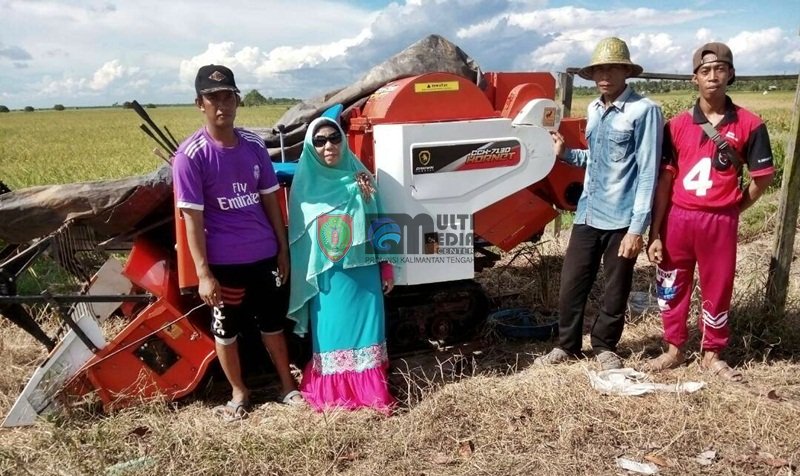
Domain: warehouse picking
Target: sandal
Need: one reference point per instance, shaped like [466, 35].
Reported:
[231, 411]
[664, 361]
[720, 368]
[293, 399]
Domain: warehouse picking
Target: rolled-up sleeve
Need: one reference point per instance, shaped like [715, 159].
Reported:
[577, 157]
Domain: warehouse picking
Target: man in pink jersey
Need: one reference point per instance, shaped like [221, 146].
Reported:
[224, 186]
[696, 213]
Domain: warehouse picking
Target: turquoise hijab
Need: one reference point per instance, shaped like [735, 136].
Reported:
[327, 212]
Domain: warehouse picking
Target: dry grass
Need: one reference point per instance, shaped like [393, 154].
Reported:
[477, 408]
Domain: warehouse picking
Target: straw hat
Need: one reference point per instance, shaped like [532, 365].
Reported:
[610, 51]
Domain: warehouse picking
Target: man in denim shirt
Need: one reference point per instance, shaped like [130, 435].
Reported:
[624, 134]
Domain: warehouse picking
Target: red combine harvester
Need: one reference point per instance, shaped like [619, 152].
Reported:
[460, 169]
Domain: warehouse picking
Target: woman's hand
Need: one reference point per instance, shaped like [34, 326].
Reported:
[388, 285]
[387, 276]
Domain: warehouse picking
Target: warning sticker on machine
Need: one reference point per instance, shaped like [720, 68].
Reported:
[436, 87]
[460, 157]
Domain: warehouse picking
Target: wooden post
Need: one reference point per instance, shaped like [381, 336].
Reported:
[565, 88]
[783, 248]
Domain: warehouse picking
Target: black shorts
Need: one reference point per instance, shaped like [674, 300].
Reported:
[249, 291]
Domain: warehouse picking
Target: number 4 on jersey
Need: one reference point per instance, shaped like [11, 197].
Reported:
[699, 178]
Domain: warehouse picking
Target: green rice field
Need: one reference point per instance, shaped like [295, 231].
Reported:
[74, 145]
[47, 146]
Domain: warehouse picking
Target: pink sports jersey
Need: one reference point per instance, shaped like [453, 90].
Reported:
[226, 183]
[689, 154]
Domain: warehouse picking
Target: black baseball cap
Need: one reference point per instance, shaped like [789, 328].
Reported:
[212, 78]
[710, 53]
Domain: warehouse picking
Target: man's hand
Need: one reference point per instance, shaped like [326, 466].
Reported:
[209, 290]
[283, 264]
[558, 144]
[630, 246]
[655, 252]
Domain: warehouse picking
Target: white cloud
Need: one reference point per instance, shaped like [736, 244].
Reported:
[251, 62]
[482, 28]
[103, 78]
[749, 42]
[138, 84]
[564, 50]
[337, 42]
[108, 73]
[55, 10]
[658, 43]
[793, 57]
[216, 53]
[63, 87]
[703, 35]
[288, 58]
[658, 53]
[574, 18]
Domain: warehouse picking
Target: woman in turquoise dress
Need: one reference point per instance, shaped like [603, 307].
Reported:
[337, 284]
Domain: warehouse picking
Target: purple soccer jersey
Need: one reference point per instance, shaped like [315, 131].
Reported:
[226, 183]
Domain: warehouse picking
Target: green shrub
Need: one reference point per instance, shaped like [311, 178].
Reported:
[59, 107]
[674, 106]
[29, 109]
[254, 98]
[3, 108]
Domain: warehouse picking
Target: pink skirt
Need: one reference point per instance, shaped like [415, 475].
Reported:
[349, 389]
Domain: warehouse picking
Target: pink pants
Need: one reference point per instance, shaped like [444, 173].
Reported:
[707, 238]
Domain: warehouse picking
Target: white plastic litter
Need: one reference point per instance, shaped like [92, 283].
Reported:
[706, 457]
[637, 467]
[630, 382]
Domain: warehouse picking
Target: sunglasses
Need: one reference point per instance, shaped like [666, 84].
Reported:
[319, 141]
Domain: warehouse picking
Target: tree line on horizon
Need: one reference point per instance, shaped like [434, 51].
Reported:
[662, 86]
[647, 86]
[251, 99]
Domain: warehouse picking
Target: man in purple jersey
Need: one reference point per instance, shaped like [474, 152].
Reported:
[224, 186]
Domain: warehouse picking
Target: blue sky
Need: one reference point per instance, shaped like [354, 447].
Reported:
[97, 52]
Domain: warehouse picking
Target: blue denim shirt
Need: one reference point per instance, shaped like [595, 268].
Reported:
[621, 163]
